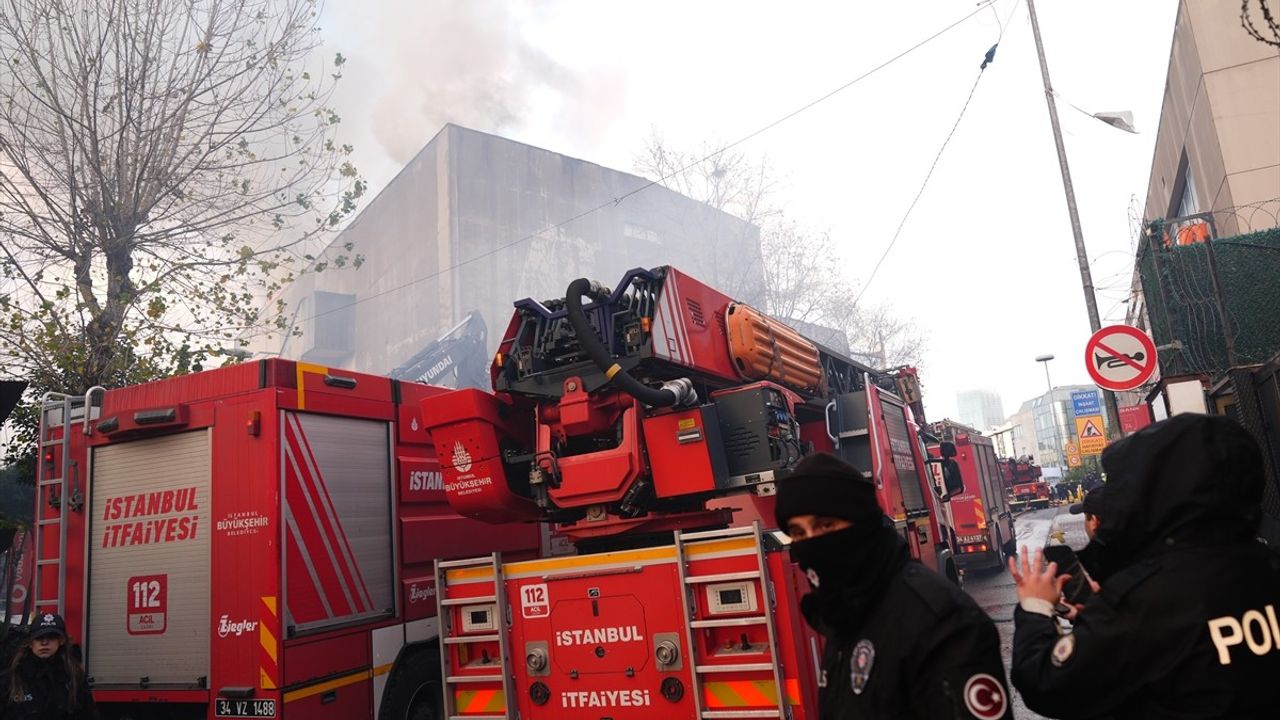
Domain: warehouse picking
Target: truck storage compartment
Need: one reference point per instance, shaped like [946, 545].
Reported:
[149, 562]
[337, 515]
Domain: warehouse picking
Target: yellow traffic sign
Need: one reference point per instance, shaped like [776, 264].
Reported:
[1073, 449]
[1089, 434]
[1074, 461]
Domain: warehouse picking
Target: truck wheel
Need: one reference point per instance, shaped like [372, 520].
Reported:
[413, 690]
[426, 703]
[953, 573]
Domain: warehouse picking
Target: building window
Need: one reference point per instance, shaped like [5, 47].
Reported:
[1186, 201]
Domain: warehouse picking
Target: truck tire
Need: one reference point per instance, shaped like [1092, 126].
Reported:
[426, 704]
[413, 690]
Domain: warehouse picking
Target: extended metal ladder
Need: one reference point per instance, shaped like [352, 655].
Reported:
[496, 601]
[56, 411]
[760, 577]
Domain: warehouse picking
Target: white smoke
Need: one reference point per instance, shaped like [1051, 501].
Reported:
[414, 65]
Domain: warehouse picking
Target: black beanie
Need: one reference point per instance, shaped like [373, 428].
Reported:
[823, 484]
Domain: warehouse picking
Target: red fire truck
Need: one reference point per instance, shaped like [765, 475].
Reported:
[983, 520]
[252, 541]
[649, 426]
[1025, 487]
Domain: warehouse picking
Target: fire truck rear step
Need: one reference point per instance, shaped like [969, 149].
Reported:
[736, 714]
[737, 667]
[723, 577]
[472, 639]
[465, 562]
[728, 622]
[469, 601]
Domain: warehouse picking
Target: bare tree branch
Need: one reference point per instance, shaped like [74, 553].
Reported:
[802, 282]
[163, 164]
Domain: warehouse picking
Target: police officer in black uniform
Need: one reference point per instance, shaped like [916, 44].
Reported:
[1185, 624]
[902, 642]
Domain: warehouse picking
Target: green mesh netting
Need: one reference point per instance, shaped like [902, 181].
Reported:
[1183, 304]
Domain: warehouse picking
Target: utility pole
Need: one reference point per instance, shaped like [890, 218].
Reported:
[1082, 257]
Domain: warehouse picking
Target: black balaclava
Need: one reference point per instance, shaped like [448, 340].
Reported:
[848, 568]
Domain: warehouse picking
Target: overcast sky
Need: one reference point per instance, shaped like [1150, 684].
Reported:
[986, 263]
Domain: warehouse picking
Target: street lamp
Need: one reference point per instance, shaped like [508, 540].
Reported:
[1053, 415]
[1082, 258]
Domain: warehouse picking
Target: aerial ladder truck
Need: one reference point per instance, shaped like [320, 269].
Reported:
[649, 425]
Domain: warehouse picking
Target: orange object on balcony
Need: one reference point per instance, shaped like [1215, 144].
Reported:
[1189, 234]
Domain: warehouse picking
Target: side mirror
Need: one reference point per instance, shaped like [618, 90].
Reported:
[945, 477]
[947, 449]
[952, 477]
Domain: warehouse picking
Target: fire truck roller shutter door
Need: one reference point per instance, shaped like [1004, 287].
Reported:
[338, 525]
[149, 561]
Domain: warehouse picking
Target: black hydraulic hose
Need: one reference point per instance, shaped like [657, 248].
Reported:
[600, 355]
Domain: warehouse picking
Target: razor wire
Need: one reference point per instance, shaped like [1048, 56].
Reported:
[1211, 284]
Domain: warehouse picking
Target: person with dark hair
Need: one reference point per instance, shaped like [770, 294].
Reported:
[44, 682]
[1183, 623]
[901, 641]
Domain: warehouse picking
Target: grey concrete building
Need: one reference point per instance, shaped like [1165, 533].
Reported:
[475, 222]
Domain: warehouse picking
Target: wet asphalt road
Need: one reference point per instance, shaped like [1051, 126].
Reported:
[994, 591]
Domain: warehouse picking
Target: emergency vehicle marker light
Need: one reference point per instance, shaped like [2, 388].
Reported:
[152, 417]
[645, 324]
[254, 424]
[497, 359]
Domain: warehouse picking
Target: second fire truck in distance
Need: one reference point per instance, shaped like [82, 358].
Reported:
[980, 512]
[1026, 489]
[648, 426]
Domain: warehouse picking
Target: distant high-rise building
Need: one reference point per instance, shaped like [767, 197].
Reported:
[981, 409]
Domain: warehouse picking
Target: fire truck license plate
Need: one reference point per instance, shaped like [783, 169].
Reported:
[245, 708]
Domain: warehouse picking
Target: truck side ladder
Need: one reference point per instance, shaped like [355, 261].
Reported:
[450, 636]
[57, 410]
[703, 671]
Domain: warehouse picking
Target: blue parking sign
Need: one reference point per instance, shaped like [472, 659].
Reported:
[1085, 402]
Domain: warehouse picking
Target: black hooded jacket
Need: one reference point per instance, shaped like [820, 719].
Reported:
[47, 692]
[917, 647]
[1186, 624]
